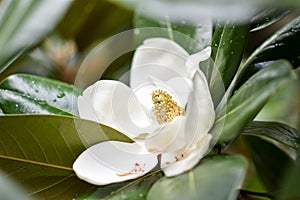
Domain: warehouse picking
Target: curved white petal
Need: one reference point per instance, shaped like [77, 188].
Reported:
[158, 57]
[175, 164]
[169, 138]
[200, 110]
[144, 95]
[194, 60]
[111, 162]
[115, 105]
[85, 107]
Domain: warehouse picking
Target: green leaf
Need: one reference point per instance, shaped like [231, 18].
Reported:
[270, 162]
[23, 93]
[9, 190]
[249, 99]
[267, 17]
[228, 45]
[24, 23]
[39, 151]
[131, 190]
[279, 132]
[281, 45]
[192, 37]
[216, 177]
[103, 16]
[290, 183]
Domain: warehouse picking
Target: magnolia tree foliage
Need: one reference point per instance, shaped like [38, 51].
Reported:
[165, 102]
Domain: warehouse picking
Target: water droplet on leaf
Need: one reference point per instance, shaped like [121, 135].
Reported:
[141, 195]
[136, 31]
[61, 95]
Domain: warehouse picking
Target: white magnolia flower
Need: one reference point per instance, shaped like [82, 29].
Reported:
[167, 111]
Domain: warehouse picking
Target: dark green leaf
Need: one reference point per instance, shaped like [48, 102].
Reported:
[276, 131]
[22, 93]
[267, 17]
[216, 177]
[133, 190]
[39, 150]
[290, 184]
[249, 99]
[270, 162]
[227, 50]
[282, 45]
[93, 20]
[24, 23]
[192, 37]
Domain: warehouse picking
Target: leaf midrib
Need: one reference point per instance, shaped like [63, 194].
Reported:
[36, 163]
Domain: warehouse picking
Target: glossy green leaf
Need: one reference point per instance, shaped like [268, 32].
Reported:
[228, 45]
[131, 190]
[267, 17]
[270, 162]
[249, 99]
[216, 177]
[279, 132]
[23, 93]
[9, 190]
[281, 45]
[24, 23]
[39, 150]
[192, 37]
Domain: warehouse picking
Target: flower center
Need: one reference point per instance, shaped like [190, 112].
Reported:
[164, 107]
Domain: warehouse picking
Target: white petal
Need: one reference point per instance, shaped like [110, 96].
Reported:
[169, 138]
[200, 110]
[115, 105]
[158, 57]
[85, 106]
[173, 164]
[144, 95]
[111, 162]
[194, 60]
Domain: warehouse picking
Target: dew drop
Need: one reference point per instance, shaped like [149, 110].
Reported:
[42, 102]
[136, 31]
[32, 110]
[61, 95]
[17, 105]
[216, 45]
